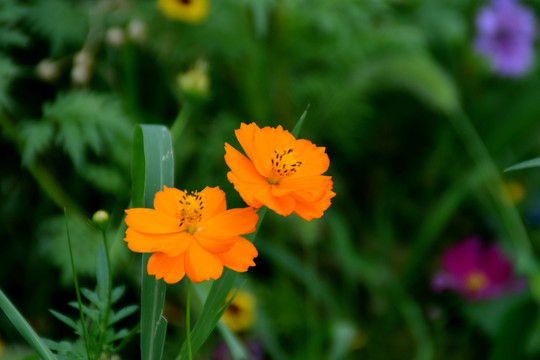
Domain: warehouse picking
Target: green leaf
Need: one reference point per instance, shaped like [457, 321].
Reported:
[38, 136]
[65, 319]
[211, 313]
[60, 21]
[102, 274]
[8, 71]
[122, 313]
[85, 240]
[94, 298]
[413, 72]
[509, 343]
[24, 328]
[92, 313]
[117, 293]
[153, 167]
[88, 121]
[525, 165]
[11, 12]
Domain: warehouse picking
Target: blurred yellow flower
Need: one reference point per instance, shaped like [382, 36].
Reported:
[192, 11]
[515, 191]
[240, 314]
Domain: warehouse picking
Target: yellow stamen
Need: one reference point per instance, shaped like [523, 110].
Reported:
[284, 164]
[476, 281]
[190, 211]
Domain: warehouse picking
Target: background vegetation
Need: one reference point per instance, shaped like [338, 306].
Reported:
[417, 126]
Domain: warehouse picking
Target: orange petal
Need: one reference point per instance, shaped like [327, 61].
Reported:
[282, 205]
[213, 201]
[240, 256]
[279, 139]
[166, 201]
[169, 268]
[314, 159]
[202, 265]
[230, 223]
[172, 244]
[245, 136]
[263, 148]
[247, 190]
[313, 210]
[213, 245]
[241, 166]
[313, 187]
[151, 221]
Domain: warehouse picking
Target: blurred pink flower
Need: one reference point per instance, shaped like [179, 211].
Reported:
[476, 271]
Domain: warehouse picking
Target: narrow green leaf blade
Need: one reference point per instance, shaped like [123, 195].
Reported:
[102, 275]
[300, 122]
[211, 313]
[153, 167]
[24, 328]
[525, 164]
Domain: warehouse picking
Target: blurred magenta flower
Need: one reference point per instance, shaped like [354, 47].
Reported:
[506, 32]
[253, 347]
[477, 271]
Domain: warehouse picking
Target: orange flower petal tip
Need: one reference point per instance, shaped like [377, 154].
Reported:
[192, 234]
[280, 172]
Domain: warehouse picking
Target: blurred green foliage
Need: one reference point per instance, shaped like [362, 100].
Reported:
[385, 82]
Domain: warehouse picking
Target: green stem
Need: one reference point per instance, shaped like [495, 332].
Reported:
[188, 320]
[109, 298]
[180, 122]
[494, 184]
[24, 328]
[77, 290]
[105, 322]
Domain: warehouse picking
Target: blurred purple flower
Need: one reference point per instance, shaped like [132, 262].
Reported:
[476, 271]
[506, 32]
[254, 348]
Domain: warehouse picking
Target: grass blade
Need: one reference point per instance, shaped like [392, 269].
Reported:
[153, 167]
[525, 165]
[24, 328]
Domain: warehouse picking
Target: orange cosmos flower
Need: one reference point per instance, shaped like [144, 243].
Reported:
[192, 233]
[280, 172]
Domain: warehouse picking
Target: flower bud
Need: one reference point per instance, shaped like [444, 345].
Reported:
[101, 219]
[47, 70]
[114, 37]
[80, 74]
[136, 30]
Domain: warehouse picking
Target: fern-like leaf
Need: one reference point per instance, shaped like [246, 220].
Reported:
[60, 21]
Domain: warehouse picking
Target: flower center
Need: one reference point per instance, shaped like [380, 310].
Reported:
[190, 212]
[284, 164]
[476, 281]
[184, 2]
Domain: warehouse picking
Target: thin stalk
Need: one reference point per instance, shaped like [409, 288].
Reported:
[180, 122]
[109, 297]
[77, 290]
[105, 323]
[188, 319]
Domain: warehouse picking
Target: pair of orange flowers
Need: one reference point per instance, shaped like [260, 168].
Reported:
[194, 234]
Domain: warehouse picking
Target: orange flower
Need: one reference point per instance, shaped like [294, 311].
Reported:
[280, 172]
[192, 233]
